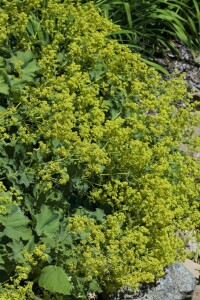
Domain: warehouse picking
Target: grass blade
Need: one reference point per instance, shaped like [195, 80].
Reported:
[155, 65]
[128, 13]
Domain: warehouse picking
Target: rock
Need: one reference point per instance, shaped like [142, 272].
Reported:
[196, 295]
[193, 267]
[125, 293]
[178, 284]
[183, 279]
[196, 95]
[189, 237]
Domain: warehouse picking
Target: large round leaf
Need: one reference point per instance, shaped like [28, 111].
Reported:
[55, 280]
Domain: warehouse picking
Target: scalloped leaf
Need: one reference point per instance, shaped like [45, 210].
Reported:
[94, 286]
[16, 225]
[29, 65]
[47, 222]
[55, 280]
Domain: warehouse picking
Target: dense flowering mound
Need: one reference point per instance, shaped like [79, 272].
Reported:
[94, 186]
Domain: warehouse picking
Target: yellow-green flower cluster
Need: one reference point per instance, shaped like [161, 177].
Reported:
[113, 255]
[36, 256]
[16, 290]
[7, 197]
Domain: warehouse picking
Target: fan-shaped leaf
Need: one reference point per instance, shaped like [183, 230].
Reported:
[94, 286]
[55, 280]
[47, 222]
[16, 225]
[29, 65]
[99, 214]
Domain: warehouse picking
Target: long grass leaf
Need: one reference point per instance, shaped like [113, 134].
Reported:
[196, 5]
[155, 65]
[128, 13]
[192, 25]
[181, 35]
[170, 14]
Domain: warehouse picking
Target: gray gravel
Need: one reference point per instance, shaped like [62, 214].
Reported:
[185, 63]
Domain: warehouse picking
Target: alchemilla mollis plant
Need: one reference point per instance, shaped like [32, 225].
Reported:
[94, 185]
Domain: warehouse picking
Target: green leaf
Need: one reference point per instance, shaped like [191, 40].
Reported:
[155, 65]
[16, 247]
[98, 70]
[55, 280]
[4, 88]
[24, 57]
[16, 225]
[2, 109]
[29, 65]
[2, 62]
[68, 240]
[30, 27]
[36, 31]
[197, 8]
[94, 286]
[115, 114]
[55, 142]
[192, 25]
[17, 233]
[47, 222]
[24, 180]
[1, 260]
[29, 72]
[128, 14]
[99, 214]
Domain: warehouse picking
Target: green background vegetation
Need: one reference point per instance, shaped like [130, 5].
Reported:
[94, 187]
[152, 26]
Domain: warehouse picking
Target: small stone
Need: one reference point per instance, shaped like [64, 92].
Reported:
[196, 294]
[193, 267]
[196, 95]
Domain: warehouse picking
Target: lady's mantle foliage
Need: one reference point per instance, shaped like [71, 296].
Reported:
[93, 184]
